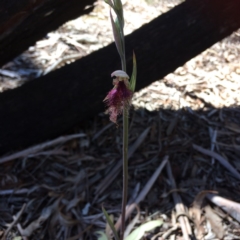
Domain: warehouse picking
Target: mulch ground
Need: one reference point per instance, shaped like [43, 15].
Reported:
[184, 146]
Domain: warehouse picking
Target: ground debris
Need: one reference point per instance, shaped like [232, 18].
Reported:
[66, 179]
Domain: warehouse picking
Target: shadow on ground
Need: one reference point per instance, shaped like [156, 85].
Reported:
[56, 190]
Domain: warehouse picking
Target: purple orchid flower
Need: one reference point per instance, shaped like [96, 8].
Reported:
[120, 96]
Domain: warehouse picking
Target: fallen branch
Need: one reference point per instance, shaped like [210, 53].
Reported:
[51, 105]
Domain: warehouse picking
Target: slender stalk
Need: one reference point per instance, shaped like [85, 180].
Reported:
[125, 170]
[125, 153]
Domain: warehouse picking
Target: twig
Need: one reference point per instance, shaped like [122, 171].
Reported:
[185, 226]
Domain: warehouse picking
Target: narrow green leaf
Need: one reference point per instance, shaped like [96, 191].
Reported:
[117, 34]
[118, 8]
[133, 78]
[118, 4]
[109, 2]
[102, 235]
[138, 233]
[109, 221]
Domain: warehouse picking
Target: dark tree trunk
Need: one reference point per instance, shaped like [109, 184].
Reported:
[49, 106]
[23, 22]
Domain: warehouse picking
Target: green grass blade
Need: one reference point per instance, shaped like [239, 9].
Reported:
[101, 235]
[110, 223]
[117, 34]
[134, 74]
[109, 2]
[138, 233]
[118, 4]
[118, 8]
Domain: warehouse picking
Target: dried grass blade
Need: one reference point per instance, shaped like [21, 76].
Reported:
[46, 212]
[231, 207]
[40, 147]
[215, 221]
[144, 191]
[221, 160]
[114, 172]
[16, 218]
[151, 181]
[133, 222]
[172, 125]
[98, 134]
[139, 141]
[196, 211]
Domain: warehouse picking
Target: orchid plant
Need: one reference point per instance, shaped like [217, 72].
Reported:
[119, 99]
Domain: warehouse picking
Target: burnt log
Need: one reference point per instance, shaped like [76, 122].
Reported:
[49, 106]
[23, 22]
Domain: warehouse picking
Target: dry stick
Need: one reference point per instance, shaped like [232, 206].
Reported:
[185, 226]
[143, 193]
[40, 147]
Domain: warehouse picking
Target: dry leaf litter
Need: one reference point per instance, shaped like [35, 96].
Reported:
[184, 146]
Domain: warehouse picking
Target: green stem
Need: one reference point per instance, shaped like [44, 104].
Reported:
[125, 170]
[125, 154]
